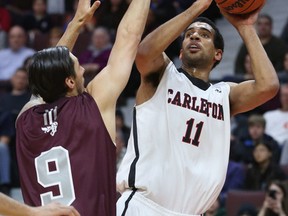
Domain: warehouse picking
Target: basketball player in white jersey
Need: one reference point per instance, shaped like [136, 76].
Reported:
[177, 155]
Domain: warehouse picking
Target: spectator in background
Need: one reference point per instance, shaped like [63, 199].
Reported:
[263, 169]
[12, 102]
[95, 57]
[246, 75]
[14, 56]
[19, 96]
[56, 7]
[54, 36]
[43, 41]
[283, 75]
[243, 149]
[18, 9]
[164, 10]
[38, 20]
[277, 120]
[276, 201]
[274, 46]
[6, 132]
[284, 34]
[110, 14]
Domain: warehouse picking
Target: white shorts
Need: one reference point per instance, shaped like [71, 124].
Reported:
[134, 204]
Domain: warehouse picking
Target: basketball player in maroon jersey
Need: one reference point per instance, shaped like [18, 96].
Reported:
[11, 207]
[65, 147]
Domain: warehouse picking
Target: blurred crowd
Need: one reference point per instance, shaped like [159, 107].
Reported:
[259, 138]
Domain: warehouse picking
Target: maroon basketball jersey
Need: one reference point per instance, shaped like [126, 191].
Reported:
[65, 154]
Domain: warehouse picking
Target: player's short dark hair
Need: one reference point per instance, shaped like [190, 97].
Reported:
[218, 38]
[48, 70]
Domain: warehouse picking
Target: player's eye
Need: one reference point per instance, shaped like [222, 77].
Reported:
[204, 35]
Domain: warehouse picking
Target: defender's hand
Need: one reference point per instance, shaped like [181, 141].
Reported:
[85, 11]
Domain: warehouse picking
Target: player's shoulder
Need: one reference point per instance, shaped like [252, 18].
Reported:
[34, 101]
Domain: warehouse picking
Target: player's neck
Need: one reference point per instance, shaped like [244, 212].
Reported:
[72, 93]
[197, 73]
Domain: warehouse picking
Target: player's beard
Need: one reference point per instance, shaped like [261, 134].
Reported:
[196, 60]
[80, 85]
[193, 60]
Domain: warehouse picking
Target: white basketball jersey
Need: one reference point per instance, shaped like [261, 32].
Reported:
[178, 150]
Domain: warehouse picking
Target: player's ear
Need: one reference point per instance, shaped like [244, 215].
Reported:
[218, 54]
[70, 82]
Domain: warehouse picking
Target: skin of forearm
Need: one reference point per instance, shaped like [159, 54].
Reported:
[264, 72]
[8, 206]
[71, 34]
[138, 12]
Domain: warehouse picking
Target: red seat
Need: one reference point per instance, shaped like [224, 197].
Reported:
[237, 198]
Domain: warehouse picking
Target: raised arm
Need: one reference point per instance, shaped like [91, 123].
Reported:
[83, 14]
[12, 207]
[150, 57]
[110, 82]
[250, 94]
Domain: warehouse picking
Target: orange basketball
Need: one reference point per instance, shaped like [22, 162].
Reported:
[239, 6]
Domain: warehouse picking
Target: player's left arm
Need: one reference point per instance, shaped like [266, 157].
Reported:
[250, 94]
[83, 14]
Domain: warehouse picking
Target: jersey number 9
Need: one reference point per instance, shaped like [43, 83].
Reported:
[60, 175]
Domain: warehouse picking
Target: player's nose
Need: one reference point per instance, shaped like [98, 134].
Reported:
[194, 36]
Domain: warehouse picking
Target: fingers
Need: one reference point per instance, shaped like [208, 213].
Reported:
[95, 5]
[75, 212]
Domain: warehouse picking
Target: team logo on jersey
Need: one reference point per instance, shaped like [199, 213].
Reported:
[197, 104]
[50, 123]
[218, 90]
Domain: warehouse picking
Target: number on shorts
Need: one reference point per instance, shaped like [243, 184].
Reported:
[60, 175]
[187, 137]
